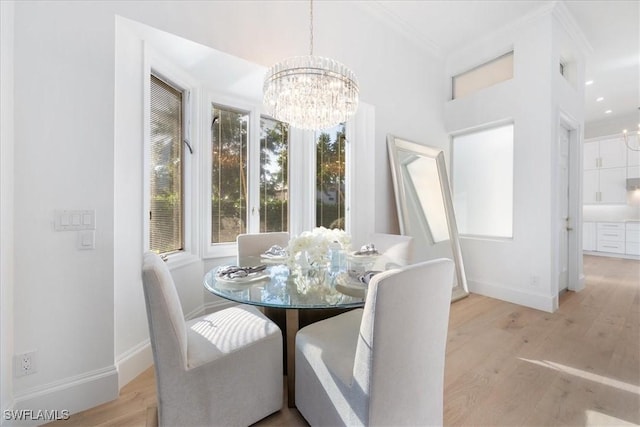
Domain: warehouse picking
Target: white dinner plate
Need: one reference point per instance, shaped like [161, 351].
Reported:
[254, 277]
[363, 256]
[273, 258]
[350, 286]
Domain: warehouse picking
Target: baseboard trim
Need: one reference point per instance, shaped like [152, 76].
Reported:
[133, 362]
[527, 299]
[612, 255]
[73, 394]
[139, 358]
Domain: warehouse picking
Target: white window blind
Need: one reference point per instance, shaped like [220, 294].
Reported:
[166, 213]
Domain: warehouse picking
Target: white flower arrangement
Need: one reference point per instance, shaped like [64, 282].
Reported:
[314, 245]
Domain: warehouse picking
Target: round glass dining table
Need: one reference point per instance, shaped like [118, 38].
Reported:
[278, 289]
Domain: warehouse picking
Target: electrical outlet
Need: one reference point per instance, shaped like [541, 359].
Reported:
[24, 364]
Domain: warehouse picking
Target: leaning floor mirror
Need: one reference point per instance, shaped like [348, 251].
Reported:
[425, 208]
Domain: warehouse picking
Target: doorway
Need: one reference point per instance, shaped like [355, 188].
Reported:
[569, 263]
[564, 193]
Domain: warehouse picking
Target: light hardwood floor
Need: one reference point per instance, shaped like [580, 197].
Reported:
[506, 364]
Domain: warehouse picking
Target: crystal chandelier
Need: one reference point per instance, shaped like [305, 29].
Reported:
[310, 92]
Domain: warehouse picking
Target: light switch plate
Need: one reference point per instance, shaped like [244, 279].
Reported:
[70, 220]
[86, 239]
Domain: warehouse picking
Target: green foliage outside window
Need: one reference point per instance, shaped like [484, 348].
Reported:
[330, 178]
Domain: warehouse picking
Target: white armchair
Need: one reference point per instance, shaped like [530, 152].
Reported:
[383, 365]
[221, 369]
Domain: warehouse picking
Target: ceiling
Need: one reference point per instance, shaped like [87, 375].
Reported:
[610, 27]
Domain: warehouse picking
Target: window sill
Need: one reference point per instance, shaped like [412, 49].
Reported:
[221, 250]
[181, 259]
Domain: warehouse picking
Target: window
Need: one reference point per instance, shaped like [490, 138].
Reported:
[485, 75]
[274, 175]
[251, 188]
[249, 174]
[483, 182]
[250, 182]
[330, 178]
[229, 183]
[166, 211]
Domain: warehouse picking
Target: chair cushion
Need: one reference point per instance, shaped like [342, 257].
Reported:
[332, 343]
[221, 333]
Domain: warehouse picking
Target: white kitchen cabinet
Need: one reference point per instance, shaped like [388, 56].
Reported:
[611, 237]
[591, 154]
[617, 239]
[605, 171]
[613, 153]
[590, 186]
[632, 238]
[613, 185]
[605, 153]
[605, 186]
[633, 172]
[589, 236]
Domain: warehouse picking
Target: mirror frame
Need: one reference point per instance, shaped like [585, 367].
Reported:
[396, 144]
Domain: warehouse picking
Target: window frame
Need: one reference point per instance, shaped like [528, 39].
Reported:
[258, 171]
[302, 193]
[155, 64]
[497, 70]
[228, 249]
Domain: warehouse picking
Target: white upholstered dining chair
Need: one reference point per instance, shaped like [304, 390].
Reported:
[220, 369]
[384, 364]
[397, 250]
[254, 244]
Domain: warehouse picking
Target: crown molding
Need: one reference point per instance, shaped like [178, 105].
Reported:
[556, 8]
[391, 20]
[568, 22]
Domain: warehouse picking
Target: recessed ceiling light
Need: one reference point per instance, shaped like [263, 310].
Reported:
[608, 112]
[588, 83]
[600, 99]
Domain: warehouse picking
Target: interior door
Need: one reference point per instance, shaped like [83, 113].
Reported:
[563, 203]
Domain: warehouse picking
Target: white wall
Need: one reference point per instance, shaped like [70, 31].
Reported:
[63, 99]
[521, 269]
[6, 204]
[78, 146]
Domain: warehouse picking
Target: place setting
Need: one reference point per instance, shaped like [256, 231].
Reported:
[275, 254]
[233, 274]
